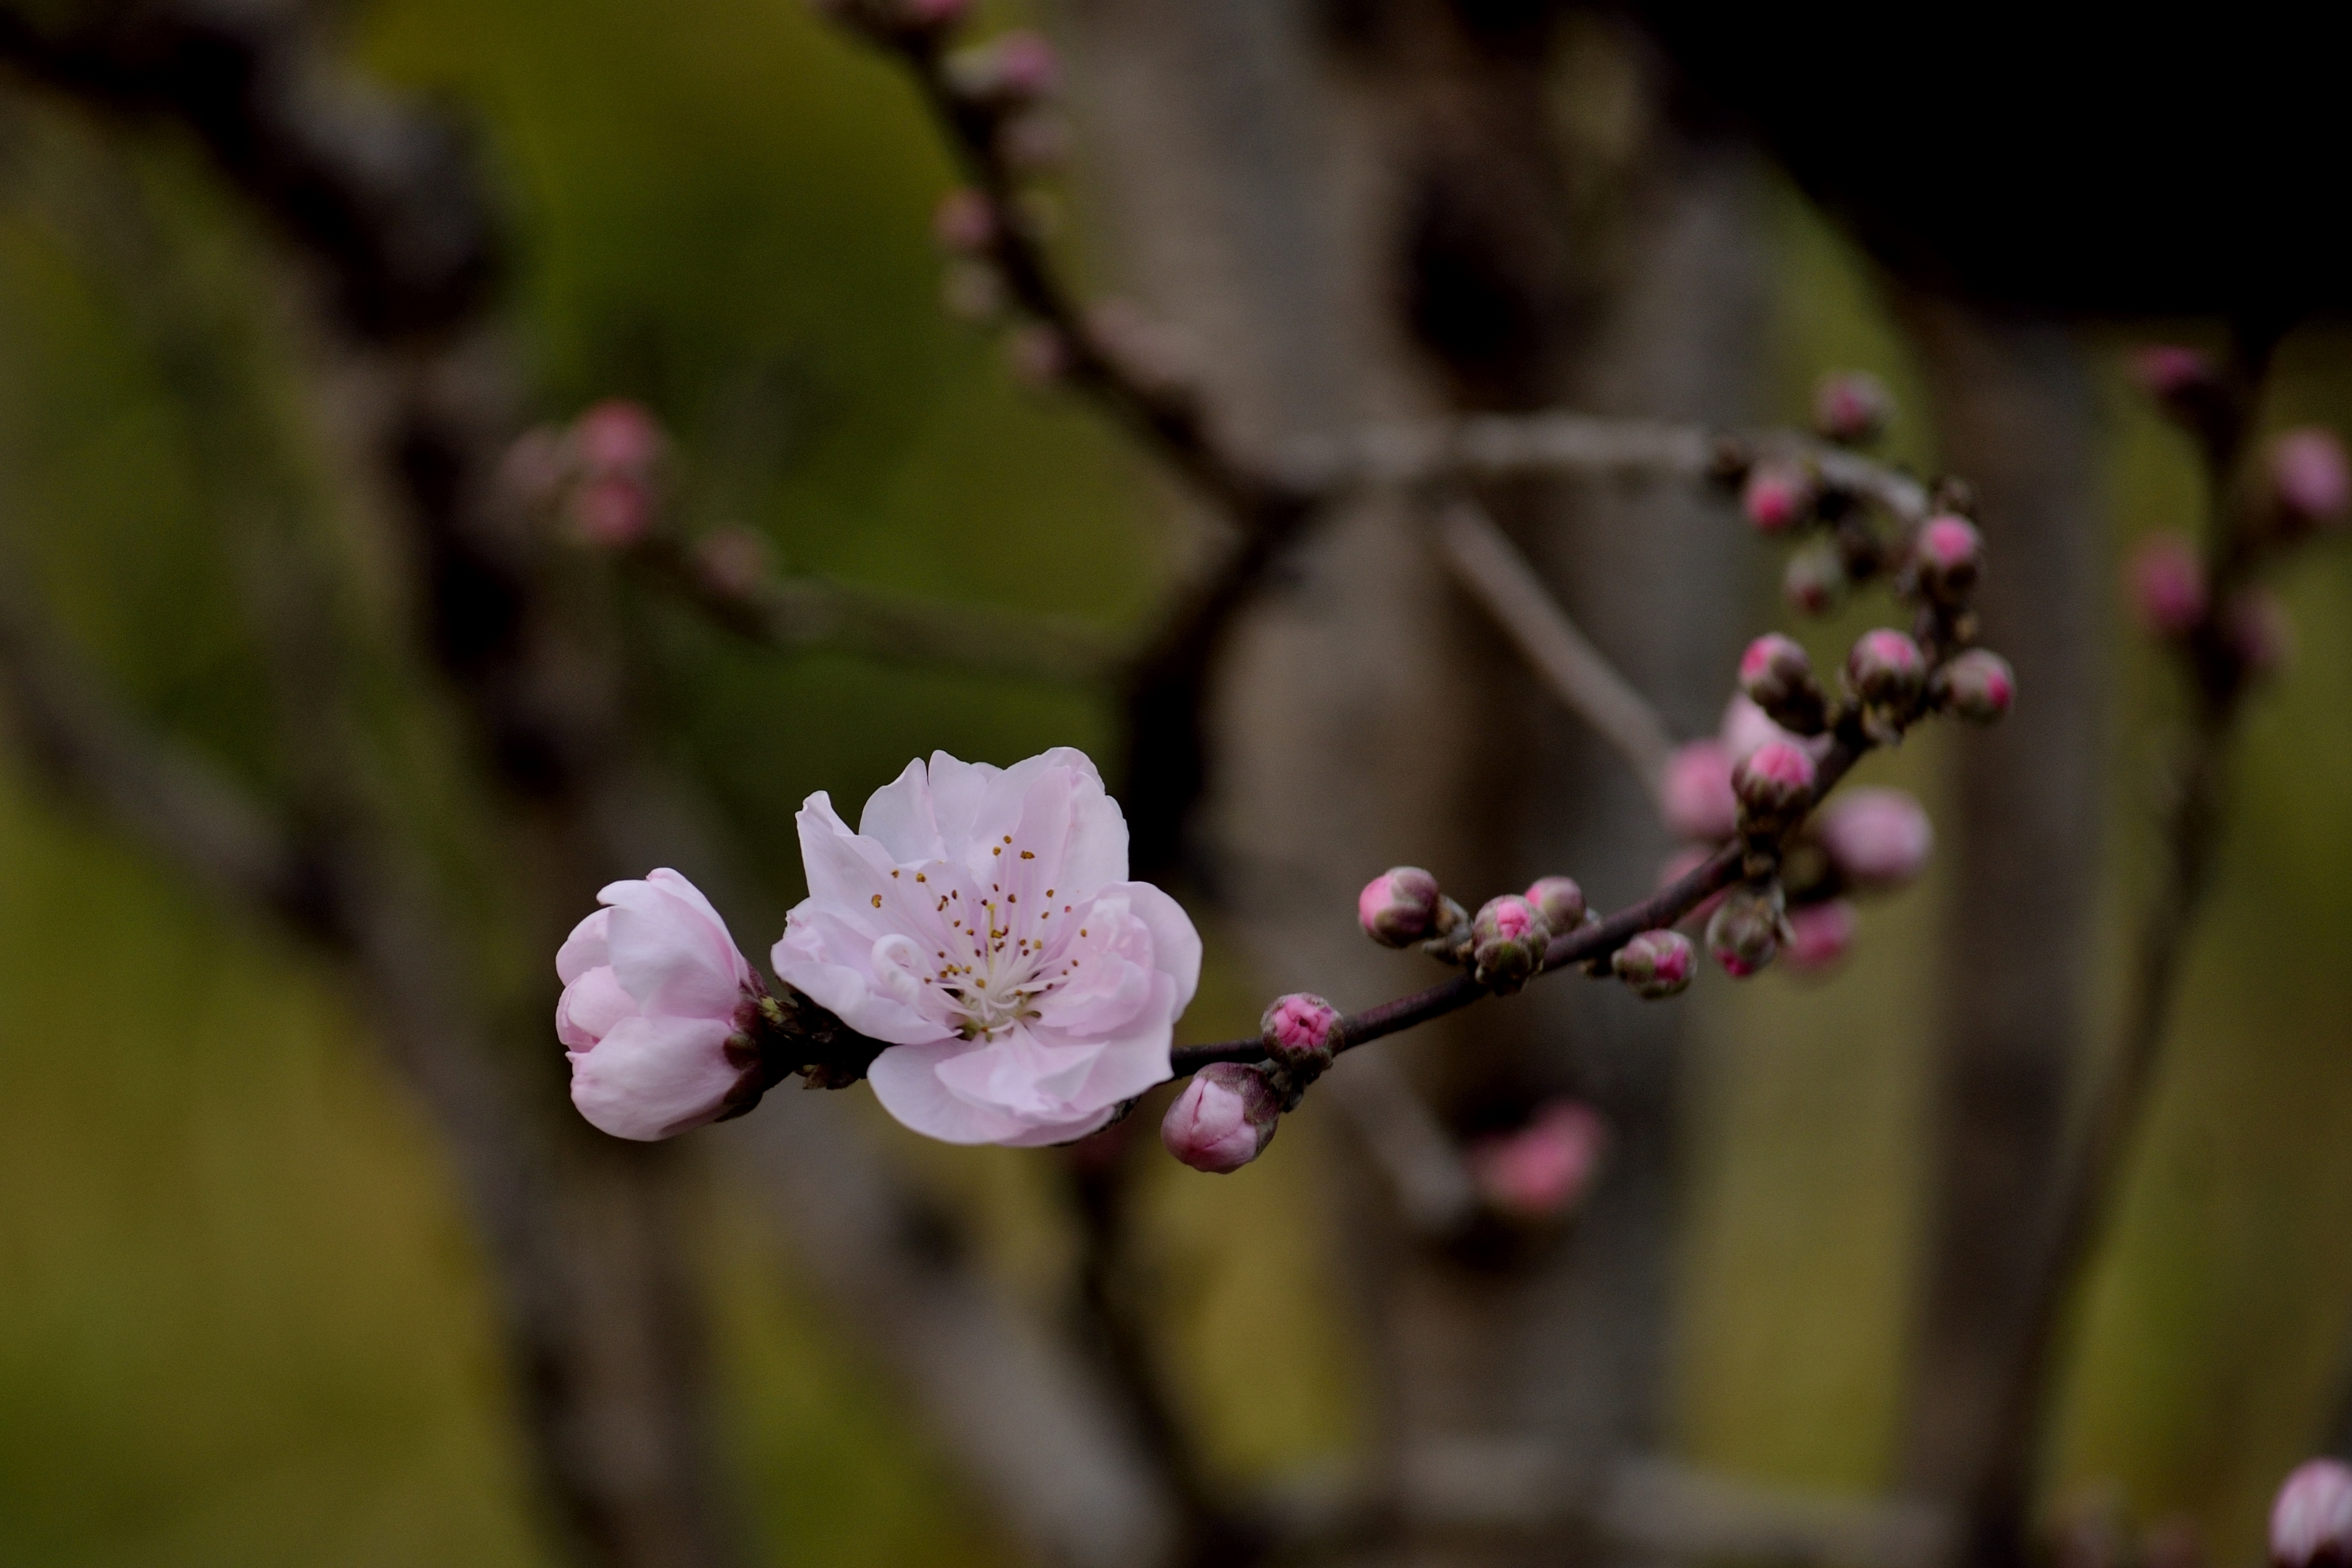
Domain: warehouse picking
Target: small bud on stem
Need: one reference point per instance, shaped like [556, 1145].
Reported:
[2310, 481]
[1775, 783]
[1778, 496]
[1398, 907]
[1655, 964]
[1777, 676]
[1851, 408]
[1948, 560]
[1745, 932]
[2168, 586]
[1560, 902]
[1224, 1119]
[1977, 686]
[1507, 937]
[1814, 581]
[1300, 1031]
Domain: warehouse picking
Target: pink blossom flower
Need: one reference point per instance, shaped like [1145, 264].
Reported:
[1545, 1168]
[653, 989]
[1824, 931]
[2310, 476]
[2168, 586]
[980, 923]
[1877, 838]
[2311, 1518]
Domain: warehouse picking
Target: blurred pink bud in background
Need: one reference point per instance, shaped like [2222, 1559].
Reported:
[1824, 933]
[2311, 1518]
[2167, 585]
[1878, 839]
[1545, 1169]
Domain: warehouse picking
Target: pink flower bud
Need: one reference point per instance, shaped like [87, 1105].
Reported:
[2310, 480]
[2169, 372]
[1035, 141]
[2258, 629]
[1822, 934]
[1398, 907]
[1778, 496]
[732, 562]
[1545, 1168]
[612, 512]
[1694, 796]
[1224, 1119]
[1977, 686]
[1037, 354]
[1877, 839]
[1851, 408]
[1886, 669]
[1507, 937]
[1655, 964]
[964, 223]
[1560, 902]
[1777, 676]
[1300, 1030]
[1774, 783]
[972, 292]
[655, 1002]
[1947, 559]
[2168, 586]
[2311, 1518]
[1744, 934]
[1814, 580]
[617, 436]
[1015, 68]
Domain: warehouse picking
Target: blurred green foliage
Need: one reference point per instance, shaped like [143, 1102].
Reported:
[240, 1320]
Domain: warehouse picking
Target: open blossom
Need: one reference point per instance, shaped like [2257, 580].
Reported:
[980, 923]
[653, 989]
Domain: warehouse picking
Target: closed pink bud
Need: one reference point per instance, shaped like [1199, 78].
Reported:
[2309, 477]
[1037, 354]
[964, 223]
[1560, 902]
[2171, 373]
[1977, 686]
[1814, 581]
[2256, 626]
[1694, 796]
[656, 1000]
[1776, 674]
[1224, 1119]
[1777, 497]
[1877, 839]
[1852, 406]
[1774, 783]
[2168, 586]
[1545, 1168]
[617, 436]
[1398, 907]
[2311, 1518]
[613, 511]
[1015, 69]
[1886, 669]
[1822, 935]
[1744, 934]
[1507, 937]
[1655, 964]
[731, 562]
[1300, 1030]
[1948, 559]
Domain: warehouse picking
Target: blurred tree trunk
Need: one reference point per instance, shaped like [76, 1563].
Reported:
[1363, 211]
[2016, 413]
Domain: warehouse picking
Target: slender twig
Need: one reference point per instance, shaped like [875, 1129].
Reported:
[2085, 1195]
[1490, 568]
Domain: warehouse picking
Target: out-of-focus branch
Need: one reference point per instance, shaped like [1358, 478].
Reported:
[792, 613]
[2083, 1199]
[1018, 1409]
[167, 796]
[1490, 568]
[1408, 1144]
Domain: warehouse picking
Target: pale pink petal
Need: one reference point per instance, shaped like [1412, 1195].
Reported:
[1136, 1059]
[677, 887]
[588, 947]
[843, 868]
[669, 957]
[1175, 944]
[906, 1081]
[589, 1008]
[654, 1077]
[899, 817]
[848, 992]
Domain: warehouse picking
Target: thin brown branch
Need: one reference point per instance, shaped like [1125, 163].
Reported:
[2085, 1195]
[1490, 568]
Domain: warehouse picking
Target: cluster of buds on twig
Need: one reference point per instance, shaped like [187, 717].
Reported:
[2203, 601]
[1227, 1115]
[601, 476]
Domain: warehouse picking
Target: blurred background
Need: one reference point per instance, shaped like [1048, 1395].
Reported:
[248, 1313]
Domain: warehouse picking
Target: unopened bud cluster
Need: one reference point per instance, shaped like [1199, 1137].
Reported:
[601, 475]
